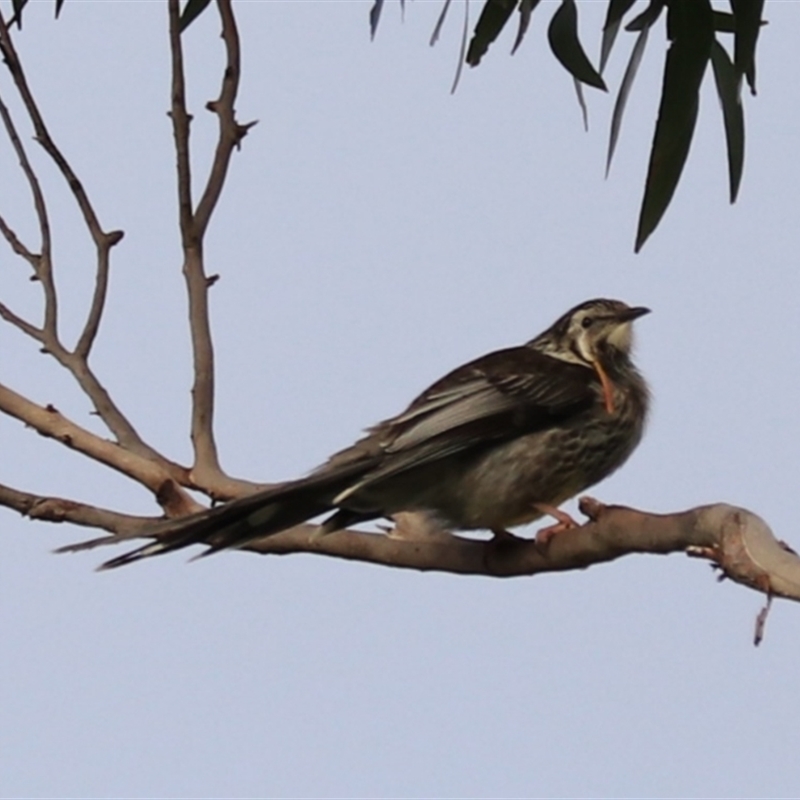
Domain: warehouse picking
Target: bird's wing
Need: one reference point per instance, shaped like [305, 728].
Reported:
[497, 397]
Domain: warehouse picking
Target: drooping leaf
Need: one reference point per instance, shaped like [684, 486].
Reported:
[525, 11]
[691, 30]
[624, 91]
[59, 3]
[730, 97]
[724, 22]
[563, 37]
[647, 17]
[492, 20]
[582, 103]
[374, 17]
[16, 15]
[439, 22]
[616, 11]
[748, 24]
[191, 11]
[462, 52]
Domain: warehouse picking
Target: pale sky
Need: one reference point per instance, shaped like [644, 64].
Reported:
[375, 233]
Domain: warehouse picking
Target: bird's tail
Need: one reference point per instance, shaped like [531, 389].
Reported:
[236, 523]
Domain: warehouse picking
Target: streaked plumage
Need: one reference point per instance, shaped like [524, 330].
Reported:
[486, 446]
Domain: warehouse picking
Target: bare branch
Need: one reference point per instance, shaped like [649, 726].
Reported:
[206, 471]
[59, 509]
[43, 135]
[89, 333]
[737, 541]
[18, 247]
[230, 131]
[48, 421]
[31, 330]
[43, 264]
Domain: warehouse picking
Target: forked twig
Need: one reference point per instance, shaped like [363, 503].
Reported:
[206, 471]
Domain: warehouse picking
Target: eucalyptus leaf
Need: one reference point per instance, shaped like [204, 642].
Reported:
[492, 20]
[690, 26]
[616, 11]
[439, 23]
[730, 97]
[375, 17]
[563, 36]
[647, 17]
[16, 8]
[191, 11]
[462, 52]
[748, 24]
[624, 91]
[526, 8]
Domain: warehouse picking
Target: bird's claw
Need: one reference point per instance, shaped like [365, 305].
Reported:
[564, 522]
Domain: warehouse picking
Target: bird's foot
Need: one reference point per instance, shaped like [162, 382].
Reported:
[564, 522]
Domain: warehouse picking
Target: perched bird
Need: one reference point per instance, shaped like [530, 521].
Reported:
[497, 442]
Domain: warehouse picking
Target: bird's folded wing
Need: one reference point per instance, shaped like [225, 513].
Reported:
[505, 394]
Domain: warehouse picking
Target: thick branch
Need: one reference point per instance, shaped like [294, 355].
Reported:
[50, 422]
[736, 540]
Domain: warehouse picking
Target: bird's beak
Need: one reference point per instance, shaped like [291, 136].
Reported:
[630, 314]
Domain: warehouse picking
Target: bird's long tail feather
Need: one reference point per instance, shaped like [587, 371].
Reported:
[236, 523]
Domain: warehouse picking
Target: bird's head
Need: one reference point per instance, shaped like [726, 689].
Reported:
[590, 331]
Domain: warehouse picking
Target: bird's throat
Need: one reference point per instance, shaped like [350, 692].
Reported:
[608, 389]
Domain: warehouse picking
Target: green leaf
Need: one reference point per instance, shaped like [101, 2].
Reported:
[727, 80]
[439, 22]
[691, 29]
[191, 11]
[563, 36]
[462, 53]
[724, 22]
[526, 8]
[616, 11]
[624, 91]
[748, 25]
[647, 17]
[16, 8]
[582, 103]
[492, 20]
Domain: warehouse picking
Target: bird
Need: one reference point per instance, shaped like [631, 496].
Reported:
[498, 442]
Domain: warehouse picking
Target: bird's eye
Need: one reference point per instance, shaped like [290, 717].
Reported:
[587, 322]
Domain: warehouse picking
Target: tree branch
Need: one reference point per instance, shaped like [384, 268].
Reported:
[58, 509]
[48, 421]
[76, 361]
[735, 540]
[206, 471]
[231, 132]
[17, 246]
[18, 322]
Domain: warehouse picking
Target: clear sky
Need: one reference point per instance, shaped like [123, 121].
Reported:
[375, 233]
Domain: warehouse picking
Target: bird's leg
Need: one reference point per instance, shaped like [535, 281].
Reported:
[608, 389]
[501, 535]
[564, 522]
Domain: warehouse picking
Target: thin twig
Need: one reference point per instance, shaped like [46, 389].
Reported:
[206, 470]
[31, 330]
[103, 241]
[59, 509]
[43, 265]
[18, 247]
[230, 131]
